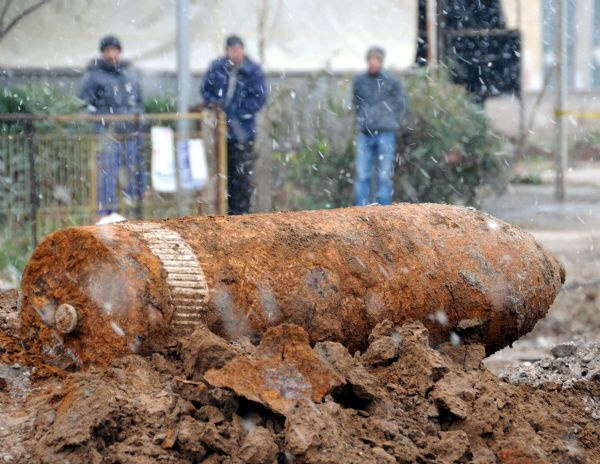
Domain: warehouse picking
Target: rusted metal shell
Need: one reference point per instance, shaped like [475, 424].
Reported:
[337, 273]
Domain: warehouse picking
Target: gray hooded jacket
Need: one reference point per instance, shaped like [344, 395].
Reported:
[379, 102]
[109, 89]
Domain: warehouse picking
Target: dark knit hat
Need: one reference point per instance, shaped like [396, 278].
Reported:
[109, 41]
[376, 51]
[233, 40]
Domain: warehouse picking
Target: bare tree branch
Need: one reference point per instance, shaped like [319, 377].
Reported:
[263, 11]
[3, 14]
[20, 16]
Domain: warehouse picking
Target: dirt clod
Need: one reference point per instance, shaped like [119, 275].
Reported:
[382, 351]
[469, 356]
[361, 388]
[188, 438]
[259, 447]
[204, 350]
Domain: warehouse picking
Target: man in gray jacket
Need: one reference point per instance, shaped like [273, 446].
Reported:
[111, 86]
[380, 107]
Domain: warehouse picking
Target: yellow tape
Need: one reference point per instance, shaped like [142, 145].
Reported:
[577, 114]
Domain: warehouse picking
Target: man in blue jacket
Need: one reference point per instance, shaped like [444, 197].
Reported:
[237, 85]
[380, 107]
[111, 86]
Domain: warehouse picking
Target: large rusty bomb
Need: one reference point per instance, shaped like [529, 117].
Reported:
[336, 273]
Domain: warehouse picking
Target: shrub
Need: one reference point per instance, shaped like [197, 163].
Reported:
[38, 99]
[316, 170]
[450, 152]
[166, 104]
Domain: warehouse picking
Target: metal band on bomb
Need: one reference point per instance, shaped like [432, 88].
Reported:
[187, 285]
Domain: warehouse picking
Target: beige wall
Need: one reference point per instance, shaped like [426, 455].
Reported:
[299, 35]
[527, 15]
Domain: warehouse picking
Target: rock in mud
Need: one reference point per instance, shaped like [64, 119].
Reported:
[302, 428]
[86, 413]
[454, 446]
[563, 350]
[453, 396]
[210, 414]
[137, 449]
[382, 456]
[210, 436]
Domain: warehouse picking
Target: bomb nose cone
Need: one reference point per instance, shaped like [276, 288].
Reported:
[101, 292]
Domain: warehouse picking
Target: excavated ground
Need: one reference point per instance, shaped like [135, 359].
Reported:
[203, 399]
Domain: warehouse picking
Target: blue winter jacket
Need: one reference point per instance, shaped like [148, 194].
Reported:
[250, 95]
[109, 89]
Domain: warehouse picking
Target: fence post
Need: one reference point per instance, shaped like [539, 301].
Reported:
[561, 56]
[140, 166]
[93, 174]
[33, 187]
[221, 162]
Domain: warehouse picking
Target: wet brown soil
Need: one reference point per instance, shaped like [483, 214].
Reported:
[398, 400]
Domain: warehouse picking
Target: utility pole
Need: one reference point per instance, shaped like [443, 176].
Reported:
[560, 53]
[521, 142]
[432, 32]
[183, 89]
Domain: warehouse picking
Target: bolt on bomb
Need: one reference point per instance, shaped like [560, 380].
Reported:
[100, 292]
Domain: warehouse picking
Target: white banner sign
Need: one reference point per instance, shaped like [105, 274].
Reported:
[163, 159]
[193, 170]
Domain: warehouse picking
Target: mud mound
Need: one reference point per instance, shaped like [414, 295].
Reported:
[399, 401]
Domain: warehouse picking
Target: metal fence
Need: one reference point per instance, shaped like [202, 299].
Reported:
[48, 170]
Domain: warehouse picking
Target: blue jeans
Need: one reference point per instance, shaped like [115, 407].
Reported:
[381, 148]
[113, 153]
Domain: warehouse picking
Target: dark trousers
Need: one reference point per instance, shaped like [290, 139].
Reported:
[240, 172]
[114, 151]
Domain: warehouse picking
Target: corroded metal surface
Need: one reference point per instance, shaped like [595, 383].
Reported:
[283, 370]
[336, 273]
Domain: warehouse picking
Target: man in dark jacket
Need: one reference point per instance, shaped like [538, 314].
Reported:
[237, 85]
[111, 86]
[380, 107]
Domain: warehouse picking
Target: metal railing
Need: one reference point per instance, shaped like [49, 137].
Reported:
[48, 169]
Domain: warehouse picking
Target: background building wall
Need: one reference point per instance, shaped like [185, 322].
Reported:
[290, 35]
